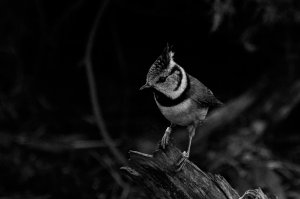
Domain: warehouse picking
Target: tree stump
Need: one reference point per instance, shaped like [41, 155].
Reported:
[156, 174]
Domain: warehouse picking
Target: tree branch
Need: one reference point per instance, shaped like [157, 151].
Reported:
[156, 173]
[87, 61]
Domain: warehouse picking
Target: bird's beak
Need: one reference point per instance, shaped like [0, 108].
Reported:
[147, 85]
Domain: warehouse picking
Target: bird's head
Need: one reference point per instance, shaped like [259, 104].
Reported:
[165, 75]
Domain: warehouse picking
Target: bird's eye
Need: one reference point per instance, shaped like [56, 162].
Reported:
[162, 79]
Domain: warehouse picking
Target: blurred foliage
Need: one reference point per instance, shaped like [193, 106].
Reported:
[50, 146]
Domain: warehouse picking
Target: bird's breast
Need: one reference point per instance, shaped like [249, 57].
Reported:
[183, 113]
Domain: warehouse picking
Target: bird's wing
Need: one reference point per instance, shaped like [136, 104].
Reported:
[201, 94]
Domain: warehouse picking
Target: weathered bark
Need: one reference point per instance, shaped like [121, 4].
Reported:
[156, 173]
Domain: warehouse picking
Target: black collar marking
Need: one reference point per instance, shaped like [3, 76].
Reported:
[163, 100]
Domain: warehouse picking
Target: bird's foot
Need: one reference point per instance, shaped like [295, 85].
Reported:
[165, 139]
[180, 164]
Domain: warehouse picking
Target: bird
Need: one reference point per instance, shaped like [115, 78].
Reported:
[181, 98]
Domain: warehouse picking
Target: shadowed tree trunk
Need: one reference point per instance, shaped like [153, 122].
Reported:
[156, 173]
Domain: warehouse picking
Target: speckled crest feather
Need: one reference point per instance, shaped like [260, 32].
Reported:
[161, 63]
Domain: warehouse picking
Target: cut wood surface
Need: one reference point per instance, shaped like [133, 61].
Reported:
[156, 174]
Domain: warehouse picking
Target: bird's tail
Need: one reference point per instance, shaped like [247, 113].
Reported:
[215, 105]
[218, 104]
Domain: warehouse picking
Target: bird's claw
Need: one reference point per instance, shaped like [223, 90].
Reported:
[165, 139]
[180, 164]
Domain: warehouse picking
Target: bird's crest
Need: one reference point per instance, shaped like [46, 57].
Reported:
[161, 63]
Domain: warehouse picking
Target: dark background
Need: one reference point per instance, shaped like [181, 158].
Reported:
[45, 108]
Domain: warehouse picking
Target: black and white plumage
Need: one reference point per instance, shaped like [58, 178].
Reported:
[181, 98]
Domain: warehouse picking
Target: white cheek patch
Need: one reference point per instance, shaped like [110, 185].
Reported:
[182, 87]
[169, 90]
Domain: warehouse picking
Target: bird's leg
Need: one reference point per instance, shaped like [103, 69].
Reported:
[186, 154]
[166, 136]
